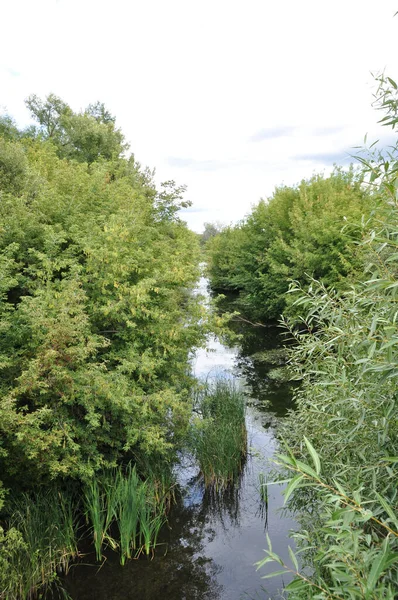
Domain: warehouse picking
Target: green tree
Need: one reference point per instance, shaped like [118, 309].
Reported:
[97, 316]
[301, 232]
[210, 231]
[86, 136]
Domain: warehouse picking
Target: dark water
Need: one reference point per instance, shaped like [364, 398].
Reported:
[213, 540]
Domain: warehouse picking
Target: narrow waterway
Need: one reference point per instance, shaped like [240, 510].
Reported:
[213, 540]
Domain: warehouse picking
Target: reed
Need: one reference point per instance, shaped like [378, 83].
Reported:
[94, 502]
[218, 432]
[122, 501]
[152, 518]
[263, 486]
[130, 496]
[40, 543]
[264, 498]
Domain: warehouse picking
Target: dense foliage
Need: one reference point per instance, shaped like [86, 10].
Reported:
[97, 322]
[97, 315]
[300, 232]
[342, 442]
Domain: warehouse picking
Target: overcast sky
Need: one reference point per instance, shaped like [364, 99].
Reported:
[230, 98]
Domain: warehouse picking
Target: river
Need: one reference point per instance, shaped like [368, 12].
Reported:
[213, 540]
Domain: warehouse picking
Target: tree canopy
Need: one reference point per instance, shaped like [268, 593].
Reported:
[96, 316]
[302, 232]
[86, 136]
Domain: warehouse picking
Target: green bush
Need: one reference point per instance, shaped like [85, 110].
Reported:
[301, 232]
[343, 440]
[97, 318]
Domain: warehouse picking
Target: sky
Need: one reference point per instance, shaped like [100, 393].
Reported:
[229, 98]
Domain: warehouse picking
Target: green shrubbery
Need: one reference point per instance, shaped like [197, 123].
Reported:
[97, 319]
[97, 315]
[342, 441]
[300, 233]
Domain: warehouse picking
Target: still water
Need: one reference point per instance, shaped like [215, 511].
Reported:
[213, 540]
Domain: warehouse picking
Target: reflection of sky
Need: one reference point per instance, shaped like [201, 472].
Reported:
[215, 360]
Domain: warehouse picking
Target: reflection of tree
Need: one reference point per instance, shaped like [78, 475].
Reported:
[223, 505]
[218, 505]
[272, 395]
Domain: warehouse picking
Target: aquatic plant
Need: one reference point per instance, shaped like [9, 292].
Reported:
[159, 472]
[130, 497]
[121, 500]
[93, 500]
[281, 374]
[274, 356]
[40, 542]
[152, 519]
[218, 434]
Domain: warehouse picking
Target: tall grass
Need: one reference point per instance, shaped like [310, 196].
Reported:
[262, 479]
[151, 522]
[40, 542]
[218, 431]
[122, 501]
[100, 503]
[130, 494]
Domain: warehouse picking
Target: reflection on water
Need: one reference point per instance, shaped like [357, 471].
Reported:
[213, 539]
[259, 353]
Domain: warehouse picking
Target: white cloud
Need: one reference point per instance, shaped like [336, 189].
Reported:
[193, 83]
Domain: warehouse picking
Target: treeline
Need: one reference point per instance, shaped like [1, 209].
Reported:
[302, 232]
[97, 318]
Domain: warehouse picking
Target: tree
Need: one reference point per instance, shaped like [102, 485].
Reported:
[210, 231]
[97, 320]
[342, 441]
[302, 232]
[86, 136]
[49, 113]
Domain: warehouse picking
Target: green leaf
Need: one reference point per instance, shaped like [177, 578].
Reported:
[295, 585]
[314, 455]
[274, 574]
[307, 470]
[294, 483]
[387, 508]
[293, 558]
[376, 570]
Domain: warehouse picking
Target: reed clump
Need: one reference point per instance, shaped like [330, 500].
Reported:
[124, 512]
[218, 433]
[40, 542]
